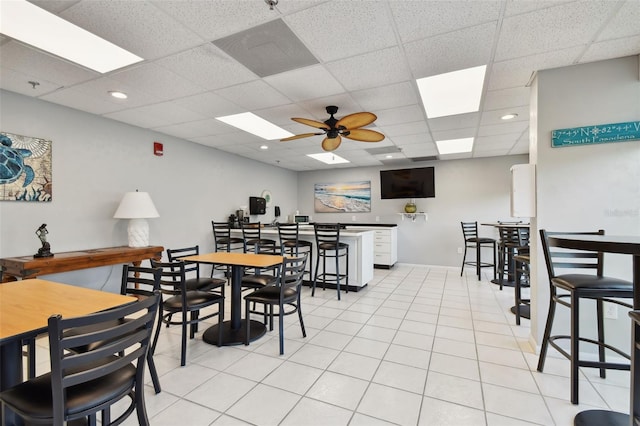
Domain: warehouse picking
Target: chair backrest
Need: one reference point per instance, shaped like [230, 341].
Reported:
[292, 272]
[512, 237]
[469, 229]
[139, 281]
[559, 258]
[172, 277]
[189, 267]
[221, 230]
[130, 338]
[327, 233]
[251, 231]
[288, 232]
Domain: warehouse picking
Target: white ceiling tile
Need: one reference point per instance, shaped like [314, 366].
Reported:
[76, 97]
[490, 153]
[157, 81]
[209, 104]
[419, 150]
[454, 121]
[99, 89]
[445, 135]
[610, 49]
[305, 83]
[407, 114]
[494, 116]
[195, 129]
[253, 95]
[457, 50]
[524, 6]
[40, 65]
[507, 98]
[503, 128]
[345, 28]
[413, 128]
[421, 19]
[356, 73]
[317, 107]
[487, 143]
[281, 115]
[415, 139]
[19, 82]
[567, 25]
[624, 24]
[384, 97]
[208, 67]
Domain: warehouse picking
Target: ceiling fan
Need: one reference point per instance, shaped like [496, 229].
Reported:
[348, 126]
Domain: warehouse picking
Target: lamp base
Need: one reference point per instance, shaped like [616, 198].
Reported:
[138, 231]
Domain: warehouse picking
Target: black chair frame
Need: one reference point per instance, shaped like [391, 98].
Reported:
[473, 241]
[328, 245]
[290, 243]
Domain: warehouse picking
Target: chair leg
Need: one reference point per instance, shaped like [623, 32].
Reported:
[183, 349]
[575, 346]
[346, 280]
[494, 260]
[601, 349]
[338, 273]
[464, 258]
[280, 326]
[304, 332]
[547, 330]
[478, 253]
[315, 275]
[153, 372]
[247, 322]
[141, 406]
[220, 321]
[518, 293]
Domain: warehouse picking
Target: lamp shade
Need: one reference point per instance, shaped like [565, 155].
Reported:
[136, 205]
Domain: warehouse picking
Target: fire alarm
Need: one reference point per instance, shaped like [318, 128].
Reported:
[157, 149]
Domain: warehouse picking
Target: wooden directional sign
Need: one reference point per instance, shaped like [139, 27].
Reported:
[597, 134]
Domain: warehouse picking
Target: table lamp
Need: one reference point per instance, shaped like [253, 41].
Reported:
[137, 207]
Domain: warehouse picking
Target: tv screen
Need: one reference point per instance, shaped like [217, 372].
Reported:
[407, 183]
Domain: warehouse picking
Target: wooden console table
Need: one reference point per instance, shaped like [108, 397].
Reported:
[29, 267]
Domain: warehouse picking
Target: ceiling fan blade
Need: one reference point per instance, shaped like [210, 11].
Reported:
[312, 123]
[359, 119]
[365, 135]
[303, 135]
[331, 144]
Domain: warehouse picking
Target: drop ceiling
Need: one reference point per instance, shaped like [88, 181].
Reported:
[204, 59]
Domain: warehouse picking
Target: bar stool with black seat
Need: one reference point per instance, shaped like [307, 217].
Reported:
[577, 286]
[82, 384]
[328, 245]
[513, 241]
[522, 305]
[290, 243]
[473, 241]
[225, 242]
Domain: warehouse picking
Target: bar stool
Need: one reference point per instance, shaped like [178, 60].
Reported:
[576, 287]
[471, 240]
[522, 306]
[290, 243]
[513, 241]
[225, 242]
[329, 246]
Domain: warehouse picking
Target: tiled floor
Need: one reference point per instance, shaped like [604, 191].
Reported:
[418, 346]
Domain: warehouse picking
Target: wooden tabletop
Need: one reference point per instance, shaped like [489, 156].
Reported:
[239, 259]
[25, 306]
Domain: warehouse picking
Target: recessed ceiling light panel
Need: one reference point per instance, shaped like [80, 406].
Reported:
[455, 146]
[452, 93]
[328, 158]
[255, 125]
[118, 95]
[32, 25]
[509, 116]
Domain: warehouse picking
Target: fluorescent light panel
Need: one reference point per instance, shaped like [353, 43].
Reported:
[452, 93]
[328, 158]
[32, 25]
[455, 146]
[255, 125]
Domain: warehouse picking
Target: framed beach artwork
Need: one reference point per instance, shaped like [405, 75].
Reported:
[25, 168]
[347, 197]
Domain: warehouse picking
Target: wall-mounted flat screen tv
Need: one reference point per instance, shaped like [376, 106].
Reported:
[407, 183]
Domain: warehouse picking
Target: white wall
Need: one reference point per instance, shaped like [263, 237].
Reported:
[97, 160]
[586, 187]
[466, 190]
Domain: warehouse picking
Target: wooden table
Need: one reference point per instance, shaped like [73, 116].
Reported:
[621, 245]
[25, 307]
[233, 330]
[30, 267]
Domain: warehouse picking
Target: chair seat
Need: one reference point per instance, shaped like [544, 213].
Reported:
[204, 283]
[34, 397]
[332, 246]
[229, 240]
[301, 243]
[194, 299]
[572, 282]
[271, 294]
[481, 240]
[257, 281]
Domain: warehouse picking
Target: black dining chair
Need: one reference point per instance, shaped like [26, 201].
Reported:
[185, 304]
[475, 242]
[139, 282]
[81, 384]
[568, 289]
[225, 242]
[285, 294]
[194, 280]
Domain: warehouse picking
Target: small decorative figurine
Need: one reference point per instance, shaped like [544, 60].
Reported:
[45, 250]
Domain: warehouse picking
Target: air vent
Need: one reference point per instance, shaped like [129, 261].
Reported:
[383, 150]
[267, 49]
[428, 158]
[395, 161]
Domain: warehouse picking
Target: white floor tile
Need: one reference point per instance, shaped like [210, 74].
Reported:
[442, 413]
[454, 389]
[390, 404]
[337, 389]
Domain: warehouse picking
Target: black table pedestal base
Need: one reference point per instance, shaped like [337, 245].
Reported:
[601, 418]
[233, 337]
[525, 311]
[505, 283]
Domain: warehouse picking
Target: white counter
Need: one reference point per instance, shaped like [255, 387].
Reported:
[360, 250]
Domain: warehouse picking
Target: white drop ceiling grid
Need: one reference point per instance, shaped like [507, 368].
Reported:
[369, 54]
